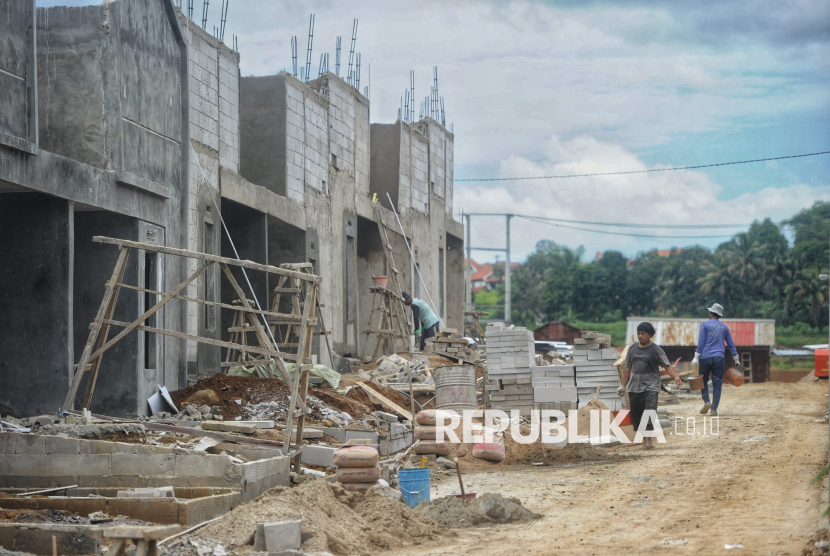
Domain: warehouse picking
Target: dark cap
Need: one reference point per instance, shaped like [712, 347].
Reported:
[405, 295]
[646, 327]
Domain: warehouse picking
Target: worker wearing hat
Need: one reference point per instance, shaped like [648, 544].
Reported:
[710, 356]
[422, 312]
[642, 377]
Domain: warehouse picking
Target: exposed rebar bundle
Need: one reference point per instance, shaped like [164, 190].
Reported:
[294, 55]
[308, 51]
[337, 57]
[350, 77]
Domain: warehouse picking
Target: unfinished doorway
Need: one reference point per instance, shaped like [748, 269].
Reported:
[248, 228]
[117, 387]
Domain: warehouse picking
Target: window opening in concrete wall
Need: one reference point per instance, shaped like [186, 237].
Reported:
[150, 299]
[334, 161]
[441, 282]
[210, 281]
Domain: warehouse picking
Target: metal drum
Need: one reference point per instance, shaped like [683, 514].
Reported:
[455, 387]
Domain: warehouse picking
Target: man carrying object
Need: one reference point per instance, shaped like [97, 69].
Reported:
[710, 357]
[642, 377]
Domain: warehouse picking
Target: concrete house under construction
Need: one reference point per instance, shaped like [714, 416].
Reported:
[127, 120]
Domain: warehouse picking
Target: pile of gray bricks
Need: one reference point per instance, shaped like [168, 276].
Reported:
[510, 359]
[554, 387]
[594, 360]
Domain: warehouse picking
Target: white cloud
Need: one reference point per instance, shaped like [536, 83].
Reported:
[683, 197]
[512, 73]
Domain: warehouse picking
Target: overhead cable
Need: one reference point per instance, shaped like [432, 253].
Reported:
[609, 232]
[563, 176]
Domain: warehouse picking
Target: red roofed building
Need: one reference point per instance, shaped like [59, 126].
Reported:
[488, 276]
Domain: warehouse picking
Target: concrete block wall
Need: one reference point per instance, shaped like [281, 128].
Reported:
[29, 460]
[213, 83]
[417, 171]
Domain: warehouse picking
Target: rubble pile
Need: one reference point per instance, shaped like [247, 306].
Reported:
[449, 344]
[391, 371]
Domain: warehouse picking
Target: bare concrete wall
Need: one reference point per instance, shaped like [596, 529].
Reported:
[455, 282]
[116, 390]
[18, 78]
[35, 305]
[262, 139]
[386, 164]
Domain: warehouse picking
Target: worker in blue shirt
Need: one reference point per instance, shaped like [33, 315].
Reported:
[423, 313]
[710, 357]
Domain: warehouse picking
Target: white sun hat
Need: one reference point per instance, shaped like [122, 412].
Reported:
[716, 308]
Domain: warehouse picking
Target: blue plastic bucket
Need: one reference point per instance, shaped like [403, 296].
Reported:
[414, 485]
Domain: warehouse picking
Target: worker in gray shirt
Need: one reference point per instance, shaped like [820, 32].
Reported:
[642, 377]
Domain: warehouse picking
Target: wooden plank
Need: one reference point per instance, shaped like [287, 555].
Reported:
[155, 532]
[130, 327]
[204, 256]
[211, 341]
[215, 303]
[384, 400]
[103, 311]
[264, 339]
[216, 435]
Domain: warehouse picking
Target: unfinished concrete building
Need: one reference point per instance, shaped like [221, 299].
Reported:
[127, 120]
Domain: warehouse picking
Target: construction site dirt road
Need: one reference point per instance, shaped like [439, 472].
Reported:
[749, 485]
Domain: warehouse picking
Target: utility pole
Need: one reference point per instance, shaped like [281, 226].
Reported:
[507, 301]
[468, 274]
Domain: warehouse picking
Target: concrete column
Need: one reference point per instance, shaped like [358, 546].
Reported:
[507, 291]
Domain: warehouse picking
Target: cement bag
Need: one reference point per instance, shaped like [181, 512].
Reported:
[355, 456]
[424, 432]
[426, 417]
[358, 474]
[424, 447]
[359, 487]
[489, 451]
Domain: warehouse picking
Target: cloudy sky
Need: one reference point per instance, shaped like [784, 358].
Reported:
[546, 88]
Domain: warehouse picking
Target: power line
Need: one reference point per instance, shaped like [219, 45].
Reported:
[646, 171]
[617, 224]
[609, 232]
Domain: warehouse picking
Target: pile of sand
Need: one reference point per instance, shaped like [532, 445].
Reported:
[484, 510]
[335, 520]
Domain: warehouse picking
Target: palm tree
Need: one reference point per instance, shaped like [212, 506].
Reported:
[807, 288]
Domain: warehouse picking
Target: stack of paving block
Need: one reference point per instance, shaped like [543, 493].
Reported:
[510, 361]
[554, 387]
[594, 360]
[448, 342]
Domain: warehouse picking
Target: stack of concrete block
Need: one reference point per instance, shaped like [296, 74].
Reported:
[510, 360]
[448, 342]
[594, 360]
[554, 387]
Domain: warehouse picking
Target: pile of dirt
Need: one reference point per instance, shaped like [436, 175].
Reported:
[334, 520]
[486, 509]
[525, 454]
[267, 398]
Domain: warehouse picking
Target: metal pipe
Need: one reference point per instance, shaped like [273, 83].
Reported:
[507, 301]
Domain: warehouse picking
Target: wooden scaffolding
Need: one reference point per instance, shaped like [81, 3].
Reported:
[99, 342]
[387, 302]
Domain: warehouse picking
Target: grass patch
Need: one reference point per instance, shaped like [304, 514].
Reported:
[779, 363]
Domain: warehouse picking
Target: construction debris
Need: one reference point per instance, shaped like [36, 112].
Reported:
[334, 520]
[486, 509]
[449, 344]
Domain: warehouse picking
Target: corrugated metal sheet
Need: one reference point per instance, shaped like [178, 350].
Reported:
[684, 332]
[765, 334]
[743, 333]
